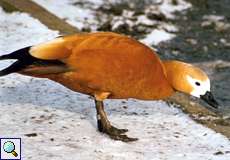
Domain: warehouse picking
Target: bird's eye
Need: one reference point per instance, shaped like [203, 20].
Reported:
[197, 83]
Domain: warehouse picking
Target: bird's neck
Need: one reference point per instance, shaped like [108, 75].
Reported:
[176, 72]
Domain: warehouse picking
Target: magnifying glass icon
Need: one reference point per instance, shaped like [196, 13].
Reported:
[9, 147]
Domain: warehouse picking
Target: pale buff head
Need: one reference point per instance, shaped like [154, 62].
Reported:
[199, 87]
[189, 79]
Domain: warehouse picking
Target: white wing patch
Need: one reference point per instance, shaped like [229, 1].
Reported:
[201, 89]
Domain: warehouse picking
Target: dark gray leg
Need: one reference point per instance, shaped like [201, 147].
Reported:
[105, 126]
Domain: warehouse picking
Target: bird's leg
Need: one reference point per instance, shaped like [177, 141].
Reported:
[101, 117]
[105, 126]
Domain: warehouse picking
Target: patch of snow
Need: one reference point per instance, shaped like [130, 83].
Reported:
[70, 11]
[213, 18]
[144, 20]
[217, 21]
[169, 27]
[168, 8]
[81, 15]
[157, 36]
[128, 14]
[65, 121]
[119, 20]
[17, 25]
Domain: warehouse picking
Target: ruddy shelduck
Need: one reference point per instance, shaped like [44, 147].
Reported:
[107, 65]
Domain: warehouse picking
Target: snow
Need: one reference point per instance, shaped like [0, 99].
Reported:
[218, 22]
[157, 36]
[88, 16]
[19, 24]
[142, 19]
[213, 18]
[65, 121]
[65, 9]
[168, 8]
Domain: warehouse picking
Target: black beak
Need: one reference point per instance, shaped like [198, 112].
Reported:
[208, 97]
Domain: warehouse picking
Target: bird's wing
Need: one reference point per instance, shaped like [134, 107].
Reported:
[52, 50]
[62, 47]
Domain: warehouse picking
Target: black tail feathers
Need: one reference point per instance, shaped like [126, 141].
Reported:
[21, 54]
[23, 59]
[16, 66]
[5, 57]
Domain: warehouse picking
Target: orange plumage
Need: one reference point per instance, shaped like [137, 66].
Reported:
[107, 62]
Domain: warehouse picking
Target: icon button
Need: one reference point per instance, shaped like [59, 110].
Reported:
[10, 148]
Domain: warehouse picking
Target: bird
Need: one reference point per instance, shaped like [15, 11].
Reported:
[108, 65]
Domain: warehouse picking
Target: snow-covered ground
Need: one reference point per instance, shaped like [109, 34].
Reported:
[63, 122]
[146, 18]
